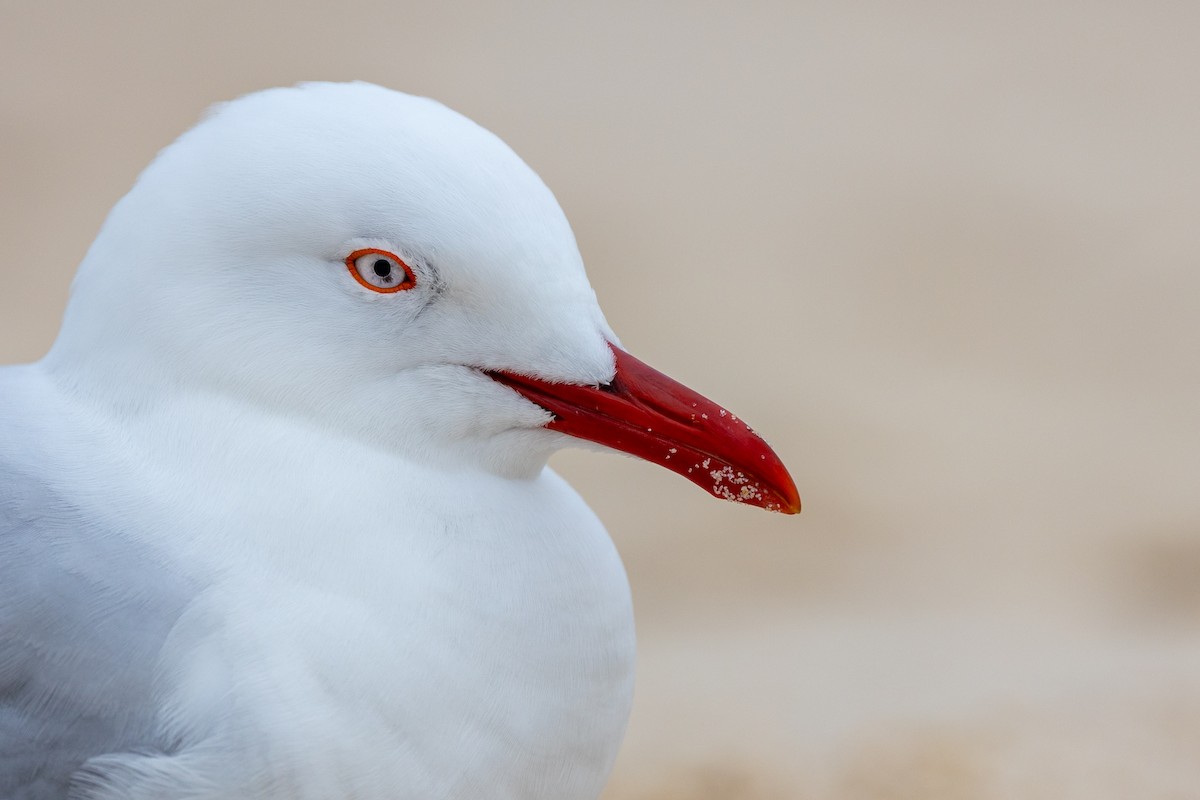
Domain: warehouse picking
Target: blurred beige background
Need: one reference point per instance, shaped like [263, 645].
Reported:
[944, 256]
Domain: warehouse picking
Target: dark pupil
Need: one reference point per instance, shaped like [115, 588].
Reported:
[383, 268]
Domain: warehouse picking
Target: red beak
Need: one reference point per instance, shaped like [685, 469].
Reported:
[646, 414]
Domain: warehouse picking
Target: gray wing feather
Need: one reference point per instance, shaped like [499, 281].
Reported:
[83, 614]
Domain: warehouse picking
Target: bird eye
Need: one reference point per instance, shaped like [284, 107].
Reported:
[380, 271]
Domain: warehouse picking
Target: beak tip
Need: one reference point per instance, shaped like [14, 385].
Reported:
[793, 508]
[790, 501]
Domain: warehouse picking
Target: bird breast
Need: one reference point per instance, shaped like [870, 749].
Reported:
[349, 640]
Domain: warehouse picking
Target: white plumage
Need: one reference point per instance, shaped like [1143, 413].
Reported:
[265, 533]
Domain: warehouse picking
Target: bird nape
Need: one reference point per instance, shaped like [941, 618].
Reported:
[276, 519]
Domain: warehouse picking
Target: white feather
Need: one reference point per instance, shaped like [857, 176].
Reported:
[393, 596]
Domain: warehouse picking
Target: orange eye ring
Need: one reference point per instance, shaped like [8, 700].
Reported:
[386, 273]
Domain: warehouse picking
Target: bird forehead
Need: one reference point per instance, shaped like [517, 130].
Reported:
[358, 135]
[359, 160]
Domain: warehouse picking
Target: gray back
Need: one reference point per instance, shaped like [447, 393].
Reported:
[83, 615]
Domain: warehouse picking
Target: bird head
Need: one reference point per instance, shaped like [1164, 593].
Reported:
[386, 267]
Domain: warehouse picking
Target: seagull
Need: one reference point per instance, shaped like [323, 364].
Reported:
[275, 515]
